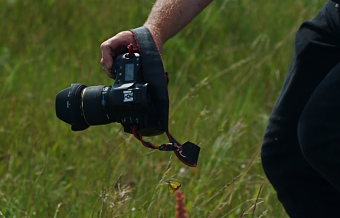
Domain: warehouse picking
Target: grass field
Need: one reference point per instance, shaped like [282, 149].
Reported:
[226, 69]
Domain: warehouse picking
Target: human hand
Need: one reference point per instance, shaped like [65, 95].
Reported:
[116, 45]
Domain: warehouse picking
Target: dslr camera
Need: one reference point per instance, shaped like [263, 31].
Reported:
[127, 101]
[138, 99]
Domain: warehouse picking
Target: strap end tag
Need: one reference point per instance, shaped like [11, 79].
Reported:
[188, 154]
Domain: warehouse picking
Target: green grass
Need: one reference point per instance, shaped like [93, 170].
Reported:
[226, 70]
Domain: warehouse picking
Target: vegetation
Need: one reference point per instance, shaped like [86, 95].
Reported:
[226, 70]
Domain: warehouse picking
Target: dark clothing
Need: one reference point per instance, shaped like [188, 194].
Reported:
[301, 149]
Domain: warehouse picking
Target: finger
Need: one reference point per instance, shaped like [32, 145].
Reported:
[114, 46]
[107, 55]
[110, 48]
[108, 72]
[110, 75]
[103, 66]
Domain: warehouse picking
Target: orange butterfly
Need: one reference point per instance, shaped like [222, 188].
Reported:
[173, 186]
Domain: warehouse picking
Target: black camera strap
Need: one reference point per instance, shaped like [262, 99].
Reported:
[187, 152]
[155, 75]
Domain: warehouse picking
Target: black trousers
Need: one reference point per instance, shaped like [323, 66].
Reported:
[301, 149]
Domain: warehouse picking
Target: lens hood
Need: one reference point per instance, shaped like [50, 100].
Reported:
[68, 107]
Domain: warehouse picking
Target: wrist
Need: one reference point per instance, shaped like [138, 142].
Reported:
[156, 35]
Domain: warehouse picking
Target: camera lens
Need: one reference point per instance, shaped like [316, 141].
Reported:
[68, 107]
[94, 105]
[82, 106]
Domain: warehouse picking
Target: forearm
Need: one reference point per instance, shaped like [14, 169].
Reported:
[168, 17]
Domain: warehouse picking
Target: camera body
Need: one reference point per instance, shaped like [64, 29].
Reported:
[128, 101]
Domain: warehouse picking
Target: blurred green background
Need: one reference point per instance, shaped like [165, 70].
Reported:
[226, 69]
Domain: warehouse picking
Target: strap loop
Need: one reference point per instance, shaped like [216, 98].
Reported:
[130, 49]
[140, 138]
[172, 146]
[186, 153]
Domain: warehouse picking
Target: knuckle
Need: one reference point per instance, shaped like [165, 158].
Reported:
[103, 45]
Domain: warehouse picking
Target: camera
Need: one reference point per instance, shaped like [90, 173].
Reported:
[138, 99]
[128, 101]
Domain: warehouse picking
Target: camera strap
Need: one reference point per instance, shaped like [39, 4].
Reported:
[186, 153]
[158, 79]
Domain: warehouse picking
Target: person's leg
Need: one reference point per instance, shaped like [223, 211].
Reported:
[300, 188]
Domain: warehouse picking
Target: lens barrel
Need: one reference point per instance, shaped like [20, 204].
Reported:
[94, 105]
[82, 106]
